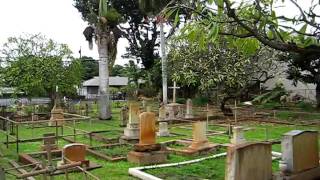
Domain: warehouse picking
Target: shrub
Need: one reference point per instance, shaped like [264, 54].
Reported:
[200, 101]
[181, 100]
[306, 106]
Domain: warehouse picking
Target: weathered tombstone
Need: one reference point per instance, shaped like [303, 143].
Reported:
[189, 113]
[163, 129]
[162, 113]
[300, 155]
[124, 116]
[249, 161]
[49, 139]
[147, 129]
[238, 136]
[148, 109]
[74, 153]
[144, 104]
[57, 117]
[147, 151]
[200, 140]
[131, 132]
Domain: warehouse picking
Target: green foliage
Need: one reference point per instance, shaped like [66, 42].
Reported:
[272, 96]
[181, 100]
[35, 66]
[90, 67]
[270, 105]
[306, 106]
[200, 101]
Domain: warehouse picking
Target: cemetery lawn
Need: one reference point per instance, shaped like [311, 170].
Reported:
[208, 169]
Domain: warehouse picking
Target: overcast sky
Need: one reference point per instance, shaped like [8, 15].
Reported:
[57, 19]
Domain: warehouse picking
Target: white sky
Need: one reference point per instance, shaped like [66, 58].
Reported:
[59, 20]
[56, 19]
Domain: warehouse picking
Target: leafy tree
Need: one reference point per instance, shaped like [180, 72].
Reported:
[133, 72]
[90, 67]
[117, 70]
[259, 21]
[35, 66]
[227, 68]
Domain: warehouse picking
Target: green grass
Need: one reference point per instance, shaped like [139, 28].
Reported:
[210, 169]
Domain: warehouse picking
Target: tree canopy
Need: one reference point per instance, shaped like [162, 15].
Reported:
[36, 65]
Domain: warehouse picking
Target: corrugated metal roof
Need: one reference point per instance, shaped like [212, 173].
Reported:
[113, 81]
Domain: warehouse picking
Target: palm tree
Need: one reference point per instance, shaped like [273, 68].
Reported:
[154, 7]
[103, 20]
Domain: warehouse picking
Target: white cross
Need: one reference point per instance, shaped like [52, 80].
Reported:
[174, 91]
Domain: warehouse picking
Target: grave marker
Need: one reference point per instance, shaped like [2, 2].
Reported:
[74, 152]
[249, 161]
[189, 113]
[147, 151]
[300, 151]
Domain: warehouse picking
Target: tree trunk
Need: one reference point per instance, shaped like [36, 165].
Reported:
[164, 65]
[104, 99]
[318, 94]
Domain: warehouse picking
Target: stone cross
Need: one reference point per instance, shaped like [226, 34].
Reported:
[189, 109]
[147, 128]
[174, 91]
[300, 151]
[249, 161]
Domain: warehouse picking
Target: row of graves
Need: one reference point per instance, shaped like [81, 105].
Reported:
[244, 160]
[50, 160]
[138, 144]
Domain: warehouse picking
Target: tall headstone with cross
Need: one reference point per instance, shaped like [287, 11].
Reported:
[174, 93]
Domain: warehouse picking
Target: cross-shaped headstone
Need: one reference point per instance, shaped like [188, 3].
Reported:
[174, 91]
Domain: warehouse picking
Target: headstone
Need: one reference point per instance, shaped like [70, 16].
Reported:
[144, 104]
[162, 113]
[249, 161]
[163, 129]
[238, 136]
[189, 113]
[134, 112]
[148, 109]
[199, 135]
[170, 110]
[49, 139]
[57, 116]
[147, 151]
[131, 132]
[74, 152]
[147, 129]
[124, 116]
[300, 151]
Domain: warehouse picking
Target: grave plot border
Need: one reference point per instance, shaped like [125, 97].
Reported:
[28, 159]
[92, 150]
[186, 143]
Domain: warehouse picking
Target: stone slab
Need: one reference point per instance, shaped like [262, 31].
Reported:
[311, 174]
[148, 158]
[249, 161]
[300, 151]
